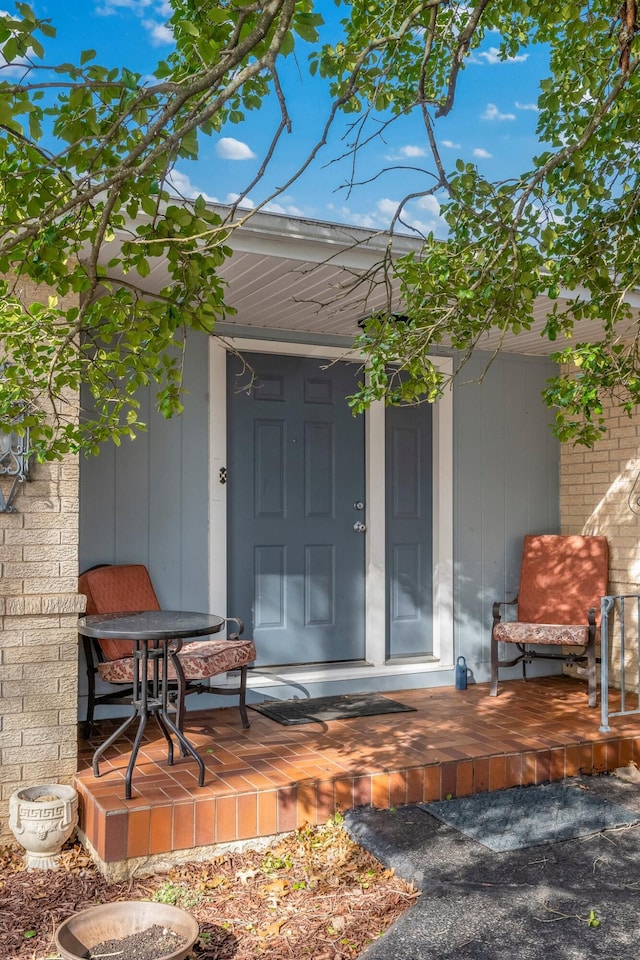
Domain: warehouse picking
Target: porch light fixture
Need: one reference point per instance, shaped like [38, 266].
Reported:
[15, 457]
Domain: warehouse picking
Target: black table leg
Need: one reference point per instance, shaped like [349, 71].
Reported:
[134, 755]
[111, 740]
[146, 706]
[187, 748]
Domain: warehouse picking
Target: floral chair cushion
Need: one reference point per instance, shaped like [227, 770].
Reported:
[200, 660]
[543, 633]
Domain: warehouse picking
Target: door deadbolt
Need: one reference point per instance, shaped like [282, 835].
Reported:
[358, 505]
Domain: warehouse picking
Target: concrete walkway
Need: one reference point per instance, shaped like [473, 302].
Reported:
[528, 904]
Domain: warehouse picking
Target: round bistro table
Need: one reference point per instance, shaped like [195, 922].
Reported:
[157, 637]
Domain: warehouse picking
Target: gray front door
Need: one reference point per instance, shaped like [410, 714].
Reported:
[295, 475]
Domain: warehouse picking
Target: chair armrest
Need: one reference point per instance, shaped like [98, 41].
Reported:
[237, 633]
[501, 603]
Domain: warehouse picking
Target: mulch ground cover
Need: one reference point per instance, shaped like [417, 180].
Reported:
[314, 894]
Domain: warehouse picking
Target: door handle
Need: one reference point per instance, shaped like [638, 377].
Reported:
[359, 526]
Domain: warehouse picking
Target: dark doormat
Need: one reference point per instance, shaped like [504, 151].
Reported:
[323, 709]
[529, 816]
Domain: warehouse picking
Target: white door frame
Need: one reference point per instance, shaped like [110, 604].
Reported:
[375, 592]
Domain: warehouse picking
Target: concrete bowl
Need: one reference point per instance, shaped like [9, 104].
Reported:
[82, 931]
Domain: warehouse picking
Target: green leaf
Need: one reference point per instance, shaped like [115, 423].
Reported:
[288, 45]
[10, 50]
[307, 32]
[130, 79]
[189, 28]
[189, 144]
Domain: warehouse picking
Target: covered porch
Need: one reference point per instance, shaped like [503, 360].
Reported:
[496, 474]
[273, 778]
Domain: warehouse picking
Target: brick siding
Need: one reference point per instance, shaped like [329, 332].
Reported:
[39, 606]
[596, 493]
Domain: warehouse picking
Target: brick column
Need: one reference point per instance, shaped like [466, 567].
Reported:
[39, 606]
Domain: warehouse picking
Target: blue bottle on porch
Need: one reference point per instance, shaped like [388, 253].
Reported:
[461, 674]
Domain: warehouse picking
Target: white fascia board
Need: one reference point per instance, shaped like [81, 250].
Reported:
[299, 239]
[315, 241]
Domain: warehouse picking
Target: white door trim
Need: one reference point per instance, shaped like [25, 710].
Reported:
[375, 616]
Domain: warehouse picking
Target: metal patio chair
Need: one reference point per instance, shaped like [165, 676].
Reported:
[127, 588]
[562, 579]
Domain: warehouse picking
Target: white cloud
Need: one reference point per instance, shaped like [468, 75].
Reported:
[409, 151]
[492, 113]
[387, 207]
[246, 202]
[450, 145]
[438, 227]
[159, 33]
[183, 187]
[366, 220]
[527, 106]
[231, 149]
[153, 13]
[492, 56]
[430, 204]
[412, 151]
[285, 206]
[110, 7]
[379, 216]
[482, 154]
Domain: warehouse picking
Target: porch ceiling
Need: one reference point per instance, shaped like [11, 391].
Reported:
[294, 277]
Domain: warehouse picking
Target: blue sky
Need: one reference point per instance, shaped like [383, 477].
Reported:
[492, 125]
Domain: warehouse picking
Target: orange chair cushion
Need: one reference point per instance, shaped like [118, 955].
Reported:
[561, 579]
[199, 659]
[123, 588]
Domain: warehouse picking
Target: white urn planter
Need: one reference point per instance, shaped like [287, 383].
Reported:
[42, 819]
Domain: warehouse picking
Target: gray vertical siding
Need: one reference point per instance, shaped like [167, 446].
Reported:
[506, 484]
[147, 501]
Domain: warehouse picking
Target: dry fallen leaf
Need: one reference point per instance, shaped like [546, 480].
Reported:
[214, 882]
[273, 928]
[281, 885]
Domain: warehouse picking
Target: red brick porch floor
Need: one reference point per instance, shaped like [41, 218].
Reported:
[273, 778]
